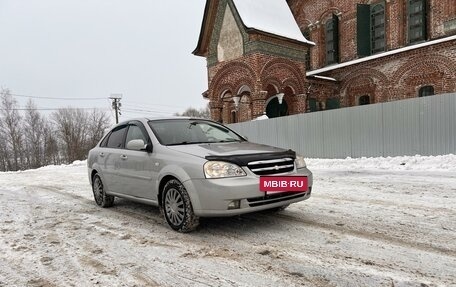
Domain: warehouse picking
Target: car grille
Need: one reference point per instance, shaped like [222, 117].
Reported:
[273, 166]
[273, 198]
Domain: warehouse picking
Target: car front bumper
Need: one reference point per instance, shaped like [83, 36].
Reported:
[212, 197]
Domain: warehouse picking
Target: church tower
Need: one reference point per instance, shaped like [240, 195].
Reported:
[256, 56]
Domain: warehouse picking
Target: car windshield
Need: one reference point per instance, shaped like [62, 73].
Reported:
[191, 131]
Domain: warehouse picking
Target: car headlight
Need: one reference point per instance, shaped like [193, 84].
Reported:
[300, 162]
[220, 169]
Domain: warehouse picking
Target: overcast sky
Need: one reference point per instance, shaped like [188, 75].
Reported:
[94, 48]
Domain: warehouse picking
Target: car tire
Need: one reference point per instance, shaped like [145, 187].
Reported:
[101, 198]
[177, 207]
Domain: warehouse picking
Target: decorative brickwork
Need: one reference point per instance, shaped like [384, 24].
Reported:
[256, 72]
[270, 65]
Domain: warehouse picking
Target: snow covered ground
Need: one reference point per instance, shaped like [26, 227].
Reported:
[369, 222]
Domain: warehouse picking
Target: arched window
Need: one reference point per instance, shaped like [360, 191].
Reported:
[275, 109]
[370, 28]
[306, 34]
[233, 117]
[417, 20]
[332, 103]
[313, 107]
[364, 100]
[332, 40]
[378, 28]
[426, 91]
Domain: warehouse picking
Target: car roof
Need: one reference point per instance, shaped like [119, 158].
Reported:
[146, 119]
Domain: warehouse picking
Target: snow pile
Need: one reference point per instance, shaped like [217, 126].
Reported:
[260, 118]
[75, 163]
[417, 162]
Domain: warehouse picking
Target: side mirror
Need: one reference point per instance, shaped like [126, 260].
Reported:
[136, 145]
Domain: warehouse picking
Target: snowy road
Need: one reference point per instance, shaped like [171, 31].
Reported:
[378, 227]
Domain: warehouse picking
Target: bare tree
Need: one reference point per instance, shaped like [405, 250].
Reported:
[204, 113]
[5, 163]
[78, 131]
[11, 127]
[33, 140]
[97, 125]
[70, 128]
[33, 130]
[50, 146]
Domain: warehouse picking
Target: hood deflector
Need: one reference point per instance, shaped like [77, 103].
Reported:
[244, 159]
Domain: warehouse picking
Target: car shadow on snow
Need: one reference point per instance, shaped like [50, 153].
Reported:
[262, 221]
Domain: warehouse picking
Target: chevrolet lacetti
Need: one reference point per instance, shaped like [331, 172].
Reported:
[192, 168]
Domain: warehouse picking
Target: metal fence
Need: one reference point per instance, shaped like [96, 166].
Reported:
[425, 126]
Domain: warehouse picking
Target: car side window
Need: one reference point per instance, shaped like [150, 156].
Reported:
[136, 133]
[116, 138]
[104, 143]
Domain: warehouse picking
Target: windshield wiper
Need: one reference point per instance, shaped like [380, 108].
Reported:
[229, 141]
[185, 143]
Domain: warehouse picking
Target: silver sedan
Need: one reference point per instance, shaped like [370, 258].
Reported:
[194, 168]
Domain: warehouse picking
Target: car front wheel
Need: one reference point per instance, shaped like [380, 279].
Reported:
[101, 198]
[177, 207]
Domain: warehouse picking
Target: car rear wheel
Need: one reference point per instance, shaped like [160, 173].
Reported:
[177, 207]
[101, 198]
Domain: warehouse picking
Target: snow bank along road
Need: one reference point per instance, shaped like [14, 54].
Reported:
[391, 225]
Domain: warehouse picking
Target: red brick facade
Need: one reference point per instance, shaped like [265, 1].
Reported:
[256, 78]
[399, 72]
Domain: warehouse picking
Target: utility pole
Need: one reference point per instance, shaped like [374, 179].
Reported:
[116, 105]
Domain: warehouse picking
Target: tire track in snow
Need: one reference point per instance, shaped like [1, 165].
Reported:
[369, 235]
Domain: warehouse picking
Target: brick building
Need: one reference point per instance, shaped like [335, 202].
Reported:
[351, 53]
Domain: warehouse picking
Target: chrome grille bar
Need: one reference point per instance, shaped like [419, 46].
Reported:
[272, 161]
[277, 168]
[273, 166]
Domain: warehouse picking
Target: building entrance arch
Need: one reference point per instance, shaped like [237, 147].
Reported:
[276, 108]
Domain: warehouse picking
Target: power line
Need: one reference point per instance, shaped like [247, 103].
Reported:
[52, 109]
[145, 106]
[132, 107]
[155, 105]
[142, 114]
[146, 114]
[130, 104]
[54, 98]
[148, 111]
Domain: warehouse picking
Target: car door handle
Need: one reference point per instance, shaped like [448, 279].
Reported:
[123, 157]
[101, 154]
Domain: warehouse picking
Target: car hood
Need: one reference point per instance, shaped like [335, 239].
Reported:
[225, 149]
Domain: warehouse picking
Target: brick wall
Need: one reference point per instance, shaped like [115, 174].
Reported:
[399, 76]
[261, 75]
[313, 14]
